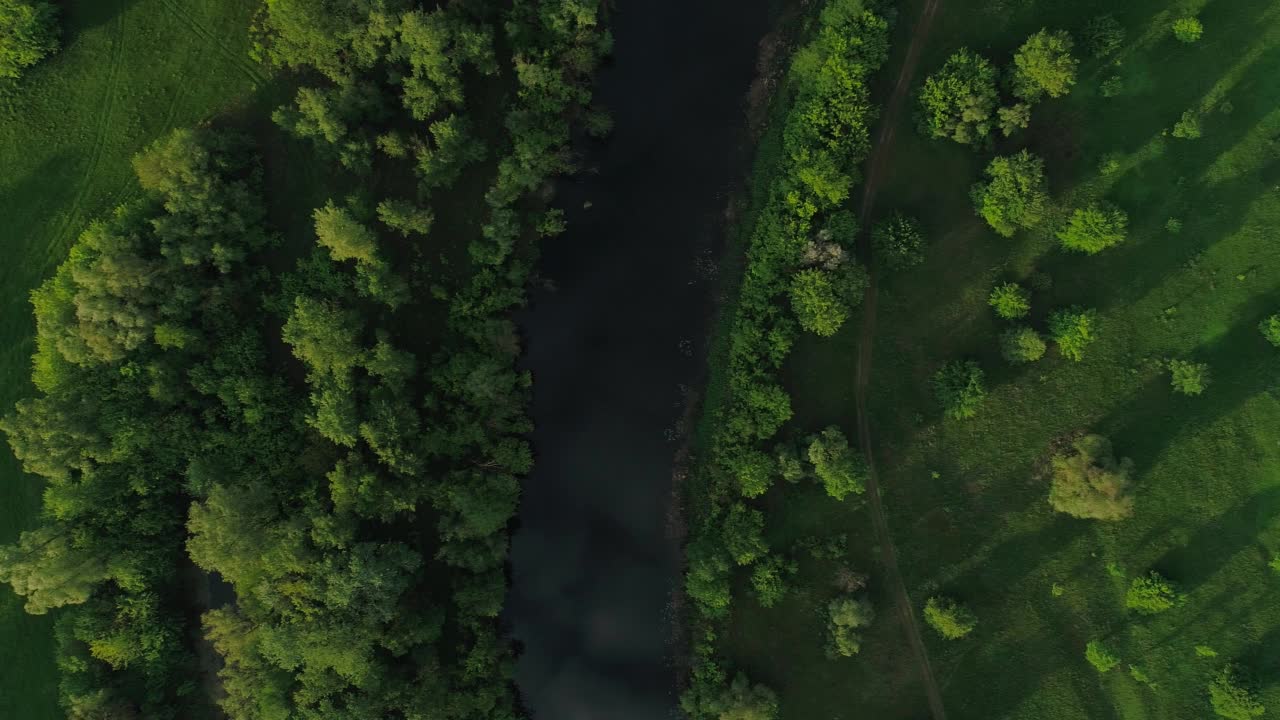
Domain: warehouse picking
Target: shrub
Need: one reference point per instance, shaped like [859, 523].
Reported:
[958, 386]
[1090, 483]
[1073, 331]
[1231, 698]
[845, 616]
[1270, 329]
[1010, 300]
[1044, 65]
[1015, 194]
[1103, 35]
[1021, 345]
[1112, 87]
[1014, 118]
[952, 621]
[1188, 127]
[1188, 378]
[28, 33]
[841, 469]
[1100, 657]
[1094, 229]
[957, 101]
[1188, 29]
[1151, 594]
[898, 242]
[769, 579]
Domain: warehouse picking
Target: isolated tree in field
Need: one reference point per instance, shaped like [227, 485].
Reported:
[1188, 29]
[28, 32]
[1014, 118]
[1151, 594]
[1094, 229]
[1232, 698]
[958, 101]
[1270, 329]
[816, 300]
[1021, 345]
[841, 469]
[1044, 65]
[1088, 481]
[1010, 301]
[1188, 378]
[845, 617]
[1073, 330]
[958, 387]
[1099, 656]
[1103, 35]
[743, 533]
[1015, 195]
[950, 620]
[898, 242]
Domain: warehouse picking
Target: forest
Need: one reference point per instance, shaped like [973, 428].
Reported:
[984, 424]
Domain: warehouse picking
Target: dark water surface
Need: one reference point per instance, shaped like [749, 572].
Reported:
[609, 349]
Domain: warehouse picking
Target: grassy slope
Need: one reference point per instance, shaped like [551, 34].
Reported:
[129, 70]
[1208, 467]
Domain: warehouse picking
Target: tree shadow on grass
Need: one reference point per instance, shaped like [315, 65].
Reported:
[1213, 543]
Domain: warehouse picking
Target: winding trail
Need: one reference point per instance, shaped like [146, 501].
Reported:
[875, 171]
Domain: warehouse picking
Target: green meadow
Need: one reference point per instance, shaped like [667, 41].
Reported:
[966, 500]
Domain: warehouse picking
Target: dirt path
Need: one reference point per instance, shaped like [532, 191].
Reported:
[875, 171]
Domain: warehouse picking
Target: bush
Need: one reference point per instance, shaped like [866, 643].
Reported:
[845, 616]
[1270, 329]
[1188, 126]
[950, 620]
[1014, 118]
[1231, 698]
[1188, 29]
[1044, 64]
[1073, 331]
[1151, 594]
[1010, 300]
[1103, 35]
[898, 242]
[1100, 657]
[28, 33]
[769, 579]
[1188, 378]
[958, 386]
[1090, 483]
[1094, 229]
[840, 469]
[1015, 195]
[957, 101]
[1021, 345]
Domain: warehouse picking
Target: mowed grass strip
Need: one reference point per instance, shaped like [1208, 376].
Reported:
[968, 507]
[128, 71]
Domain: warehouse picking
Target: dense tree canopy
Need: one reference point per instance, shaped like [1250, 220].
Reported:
[28, 33]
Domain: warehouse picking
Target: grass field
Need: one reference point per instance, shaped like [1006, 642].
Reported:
[966, 509]
[128, 71]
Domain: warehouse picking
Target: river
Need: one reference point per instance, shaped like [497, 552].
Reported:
[610, 347]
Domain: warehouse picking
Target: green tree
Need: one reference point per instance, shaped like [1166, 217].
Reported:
[1188, 126]
[707, 580]
[959, 388]
[841, 469]
[1151, 594]
[1270, 329]
[769, 579]
[345, 237]
[1010, 300]
[1088, 481]
[744, 701]
[958, 101]
[1021, 344]
[817, 302]
[1231, 698]
[898, 242]
[1015, 195]
[754, 471]
[845, 617]
[405, 217]
[743, 533]
[49, 571]
[1101, 658]
[28, 33]
[1188, 29]
[1094, 229]
[1044, 65]
[1104, 35]
[950, 620]
[1188, 378]
[1073, 330]
[1014, 118]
